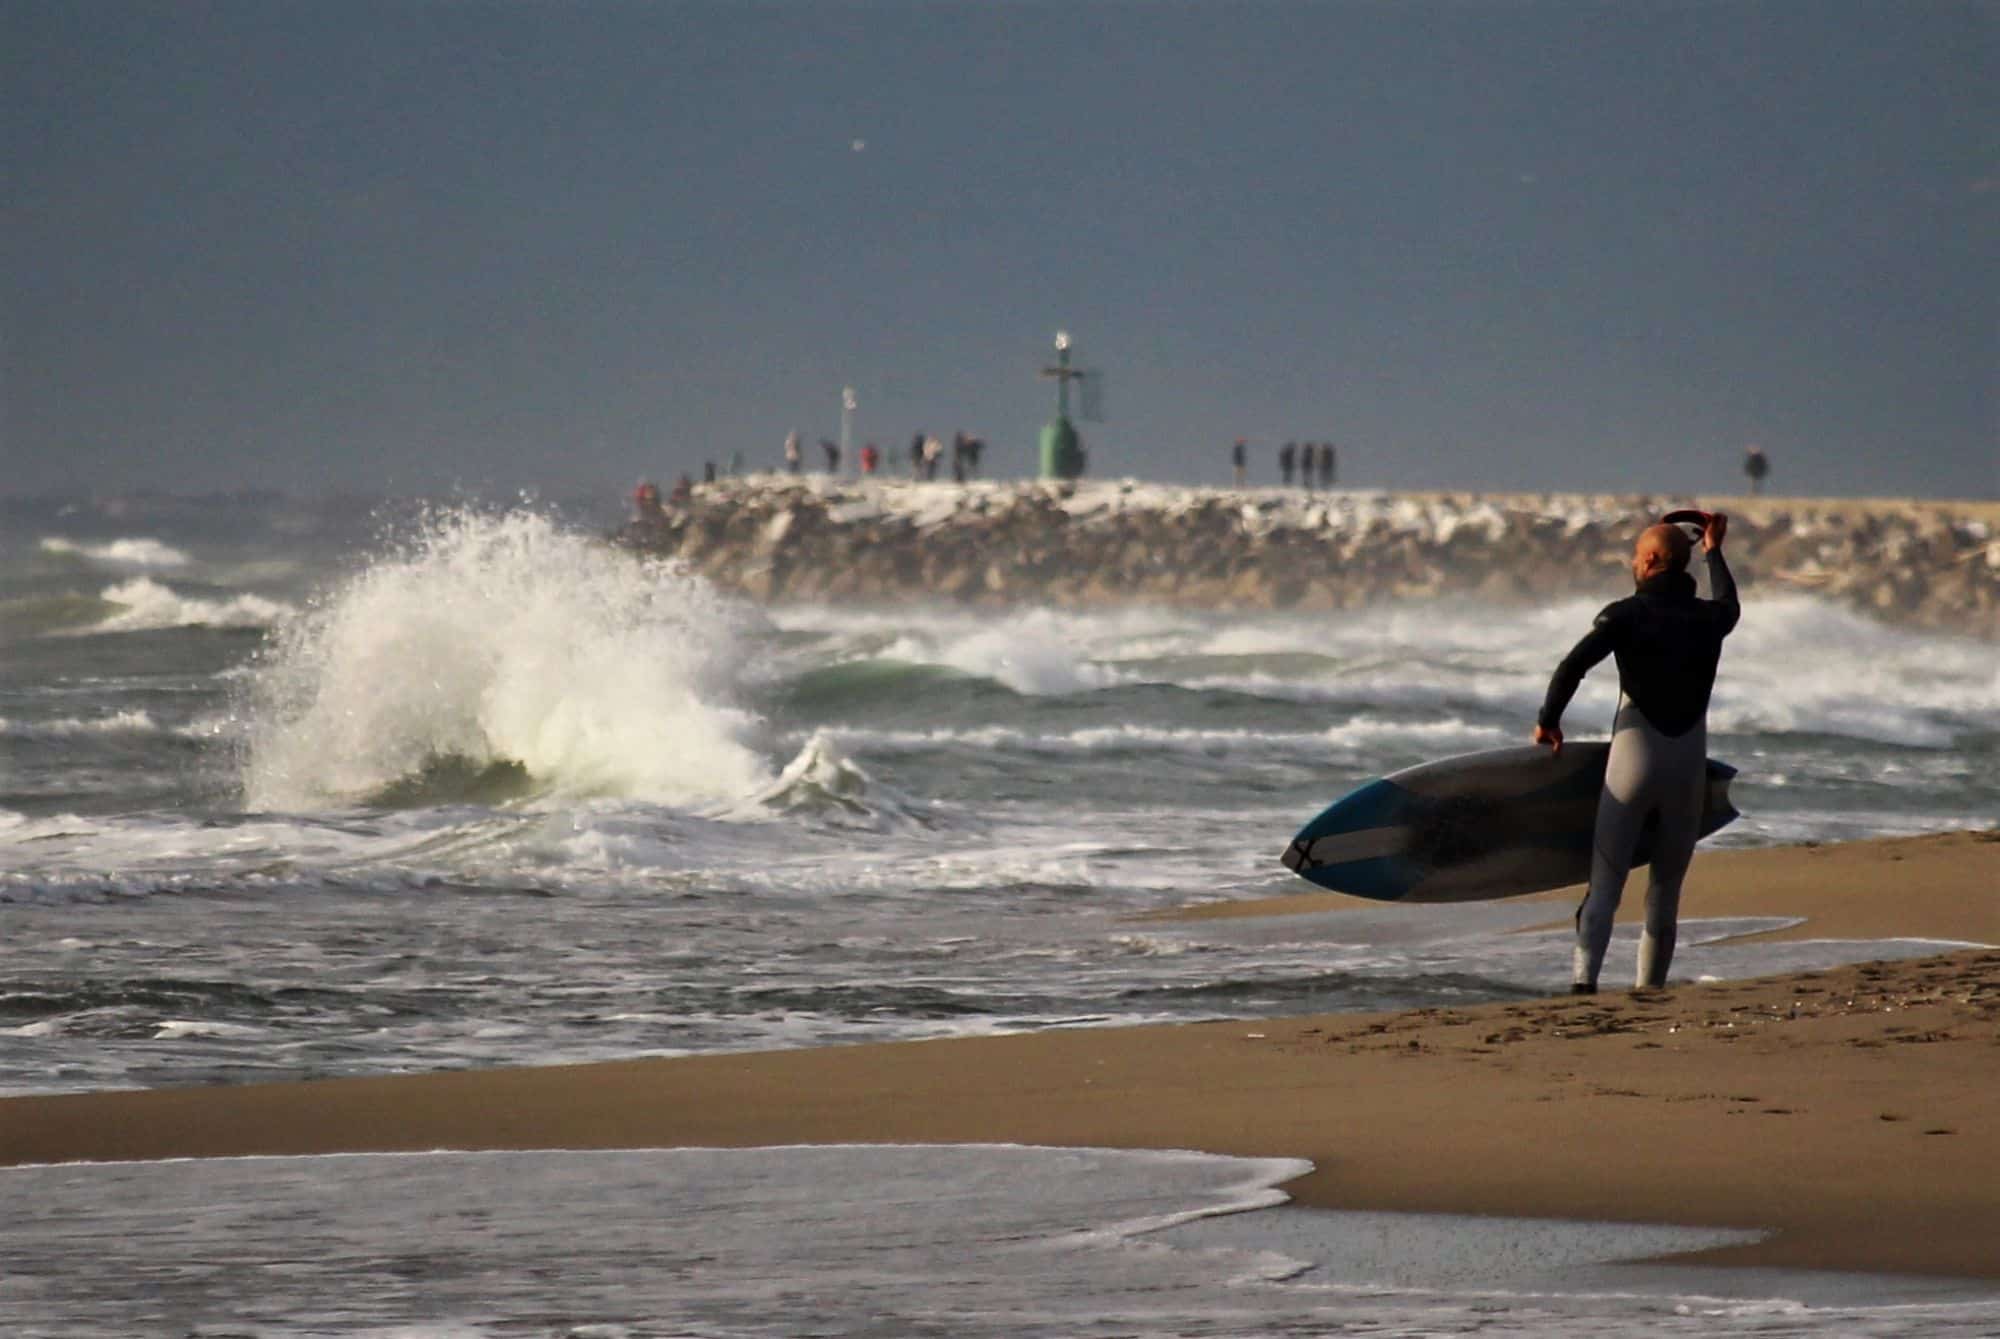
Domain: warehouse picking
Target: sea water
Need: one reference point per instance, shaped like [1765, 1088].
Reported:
[970, 1242]
[292, 791]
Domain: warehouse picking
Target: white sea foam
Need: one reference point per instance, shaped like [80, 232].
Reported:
[1795, 665]
[145, 605]
[118, 723]
[135, 552]
[993, 1240]
[506, 639]
[1802, 666]
[1358, 733]
[1032, 652]
[1002, 1240]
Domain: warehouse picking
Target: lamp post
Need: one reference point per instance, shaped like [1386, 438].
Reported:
[847, 403]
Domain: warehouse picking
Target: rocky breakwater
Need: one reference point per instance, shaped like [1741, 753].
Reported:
[1108, 542]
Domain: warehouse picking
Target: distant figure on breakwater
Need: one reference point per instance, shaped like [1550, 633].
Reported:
[1308, 458]
[831, 449]
[917, 455]
[1288, 456]
[683, 492]
[1239, 460]
[1756, 466]
[933, 449]
[646, 510]
[708, 471]
[871, 456]
[965, 449]
[1327, 468]
[794, 461]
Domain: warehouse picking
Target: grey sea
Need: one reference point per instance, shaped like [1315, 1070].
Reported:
[297, 789]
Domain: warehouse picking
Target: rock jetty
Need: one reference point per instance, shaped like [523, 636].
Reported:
[774, 538]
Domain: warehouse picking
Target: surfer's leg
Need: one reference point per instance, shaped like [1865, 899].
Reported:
[1682, 767]
[1621, 813]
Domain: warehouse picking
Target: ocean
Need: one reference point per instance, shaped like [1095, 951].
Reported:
[297, 789]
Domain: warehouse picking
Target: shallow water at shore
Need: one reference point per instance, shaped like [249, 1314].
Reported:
[965, 1241]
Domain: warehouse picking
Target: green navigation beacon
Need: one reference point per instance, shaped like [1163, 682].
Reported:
[1062, 448]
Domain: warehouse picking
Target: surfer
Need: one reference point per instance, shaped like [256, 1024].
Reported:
[1667, 643]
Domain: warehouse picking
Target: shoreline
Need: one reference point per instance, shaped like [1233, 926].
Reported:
[1850, 1112]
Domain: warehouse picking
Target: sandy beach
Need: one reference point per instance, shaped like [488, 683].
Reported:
[1854, 1113]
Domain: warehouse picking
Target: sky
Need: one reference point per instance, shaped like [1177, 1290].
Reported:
[339, 245]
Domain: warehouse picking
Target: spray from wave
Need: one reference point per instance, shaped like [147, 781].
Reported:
[494, 642]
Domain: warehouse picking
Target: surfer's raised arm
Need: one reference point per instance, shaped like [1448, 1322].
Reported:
[1721, 585]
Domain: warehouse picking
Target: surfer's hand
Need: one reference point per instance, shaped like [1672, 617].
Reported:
[1712, 533]
[1553, 738]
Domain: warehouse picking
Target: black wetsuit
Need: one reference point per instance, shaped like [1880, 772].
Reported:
[1668, 643]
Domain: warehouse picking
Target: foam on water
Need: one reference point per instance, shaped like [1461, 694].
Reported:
[1801, 666]
[1358, 733]
[504, 638]
[821, 782]
[1032, 652]
[1796, 665]
[145, 605]
[118, 723]
[995, 1240]
[136, 552]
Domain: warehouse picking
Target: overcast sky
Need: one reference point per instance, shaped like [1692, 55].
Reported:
[563, 245]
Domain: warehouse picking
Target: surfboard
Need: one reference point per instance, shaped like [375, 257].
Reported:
[1482, 825]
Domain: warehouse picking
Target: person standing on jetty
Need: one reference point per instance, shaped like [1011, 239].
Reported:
[1239, 460]
[1668, 643]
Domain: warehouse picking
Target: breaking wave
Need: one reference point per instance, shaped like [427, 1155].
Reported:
[493, 642]
[822, 783]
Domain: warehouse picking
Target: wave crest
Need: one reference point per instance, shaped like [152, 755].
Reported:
[503, 639]
[144, 605]
[822, 783]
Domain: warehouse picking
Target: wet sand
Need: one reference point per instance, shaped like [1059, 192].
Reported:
[1853, 1113]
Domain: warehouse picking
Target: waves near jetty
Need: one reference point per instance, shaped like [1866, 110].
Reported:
[1100, 543]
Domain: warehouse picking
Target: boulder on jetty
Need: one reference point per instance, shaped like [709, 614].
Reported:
[784, 538]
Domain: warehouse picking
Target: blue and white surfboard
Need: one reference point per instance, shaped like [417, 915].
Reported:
[1482, 825]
